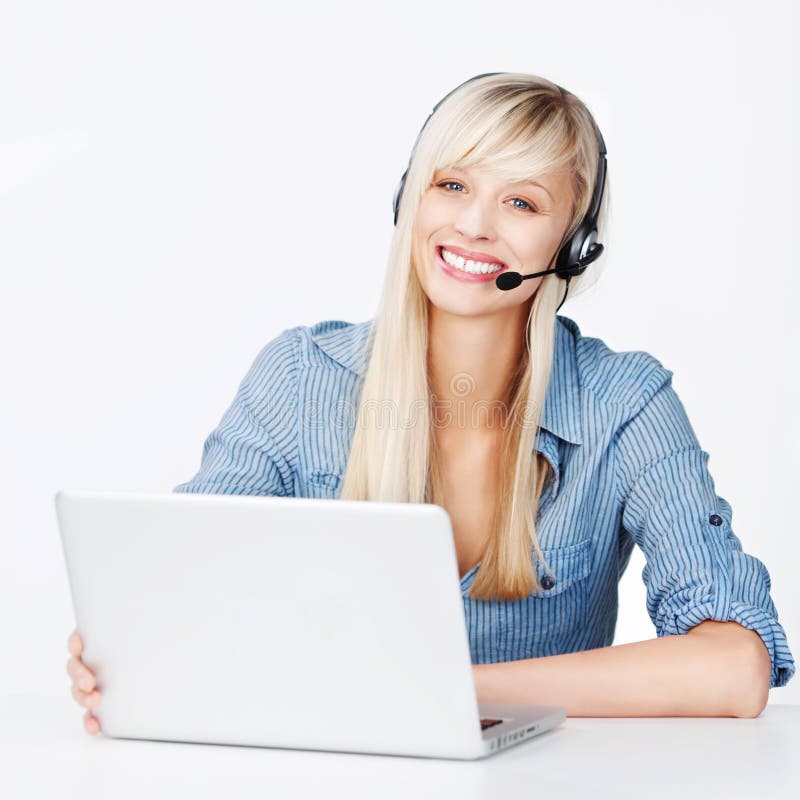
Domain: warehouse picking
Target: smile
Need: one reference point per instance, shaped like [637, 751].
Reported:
[466, 265]
[466, 269]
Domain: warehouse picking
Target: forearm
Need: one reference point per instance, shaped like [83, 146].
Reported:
[702, 675]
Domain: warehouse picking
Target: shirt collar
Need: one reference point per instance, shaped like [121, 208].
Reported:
[346, 344]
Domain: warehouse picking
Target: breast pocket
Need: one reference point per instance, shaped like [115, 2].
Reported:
[322, 484]
[549, 621]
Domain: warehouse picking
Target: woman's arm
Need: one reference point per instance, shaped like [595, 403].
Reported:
[719, 645]
[717, 669]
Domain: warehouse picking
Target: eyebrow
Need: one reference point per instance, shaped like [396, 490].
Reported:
[512, 183]
[532, 183]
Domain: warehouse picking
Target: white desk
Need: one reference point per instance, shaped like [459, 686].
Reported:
[46, 753]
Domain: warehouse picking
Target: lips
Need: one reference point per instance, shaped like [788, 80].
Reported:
[473, 255]
[467, 277]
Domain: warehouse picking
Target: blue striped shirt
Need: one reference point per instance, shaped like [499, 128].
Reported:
[627, 469]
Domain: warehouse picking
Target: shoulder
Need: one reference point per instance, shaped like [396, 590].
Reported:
[332, 343]
[336, 344]
[627, 378]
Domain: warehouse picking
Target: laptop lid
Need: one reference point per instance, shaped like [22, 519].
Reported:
[272, 621]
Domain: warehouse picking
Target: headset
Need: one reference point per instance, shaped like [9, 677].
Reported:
[579, 250]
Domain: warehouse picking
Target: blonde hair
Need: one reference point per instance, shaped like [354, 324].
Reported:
[519, 126]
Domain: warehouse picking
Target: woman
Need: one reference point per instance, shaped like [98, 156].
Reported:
[552, 454]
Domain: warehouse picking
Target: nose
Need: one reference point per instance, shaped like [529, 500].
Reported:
[474, 220]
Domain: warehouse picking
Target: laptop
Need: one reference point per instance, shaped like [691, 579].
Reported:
[306, 623]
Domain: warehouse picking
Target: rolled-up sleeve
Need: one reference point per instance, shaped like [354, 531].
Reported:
[253, 448]
[696, 568]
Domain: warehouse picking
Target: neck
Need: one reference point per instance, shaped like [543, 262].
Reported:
[471, 361]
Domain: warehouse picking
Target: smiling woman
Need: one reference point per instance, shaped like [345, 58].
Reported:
[553, 455]
[506, 171]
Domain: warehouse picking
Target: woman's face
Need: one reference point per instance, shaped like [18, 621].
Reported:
[475, 214]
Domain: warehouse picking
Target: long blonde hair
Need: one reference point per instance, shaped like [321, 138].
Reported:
[519, 126]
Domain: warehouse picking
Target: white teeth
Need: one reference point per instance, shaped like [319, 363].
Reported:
[465, 265]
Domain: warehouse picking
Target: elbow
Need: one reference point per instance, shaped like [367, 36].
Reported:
[746, 664]
[753, 693]
[753, 708]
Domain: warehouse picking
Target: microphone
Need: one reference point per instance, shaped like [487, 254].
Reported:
[510, 280]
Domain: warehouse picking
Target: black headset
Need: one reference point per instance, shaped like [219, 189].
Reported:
[582, 247]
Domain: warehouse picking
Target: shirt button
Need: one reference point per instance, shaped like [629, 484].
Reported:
[548, 582]
[715, 519]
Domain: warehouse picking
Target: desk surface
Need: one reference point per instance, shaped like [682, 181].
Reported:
[45, 752]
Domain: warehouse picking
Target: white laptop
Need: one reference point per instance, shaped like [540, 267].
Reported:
[280, 622]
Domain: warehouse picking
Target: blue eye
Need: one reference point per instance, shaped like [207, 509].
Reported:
[526, 206]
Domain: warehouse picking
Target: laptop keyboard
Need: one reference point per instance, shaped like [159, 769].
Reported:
[488, 723]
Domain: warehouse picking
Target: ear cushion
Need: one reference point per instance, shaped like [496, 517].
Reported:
[578, 245]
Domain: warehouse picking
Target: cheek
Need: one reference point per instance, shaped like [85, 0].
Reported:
[431, 214]
[537, 250]
[418, 259]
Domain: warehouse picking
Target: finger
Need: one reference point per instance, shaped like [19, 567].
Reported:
[91, 723]
[78, 695]
[86, 699]
[81, 674]
[75, 643]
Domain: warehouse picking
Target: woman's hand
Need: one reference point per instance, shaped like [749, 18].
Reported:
[84, 686]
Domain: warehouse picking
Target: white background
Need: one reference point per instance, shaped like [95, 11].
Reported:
[181, 181]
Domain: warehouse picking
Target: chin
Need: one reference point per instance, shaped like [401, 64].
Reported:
[459, 306]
